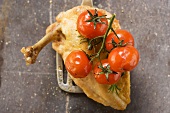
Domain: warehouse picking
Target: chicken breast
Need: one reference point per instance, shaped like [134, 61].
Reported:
[68, 39]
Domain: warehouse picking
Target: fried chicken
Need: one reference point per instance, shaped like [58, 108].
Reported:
[66, 39]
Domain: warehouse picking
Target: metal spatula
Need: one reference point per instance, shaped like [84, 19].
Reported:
[63, 78]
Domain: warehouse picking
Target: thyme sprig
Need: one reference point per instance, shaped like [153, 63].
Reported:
[113, 88]
[93, 42]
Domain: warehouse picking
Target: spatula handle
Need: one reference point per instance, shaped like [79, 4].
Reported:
[87, 2]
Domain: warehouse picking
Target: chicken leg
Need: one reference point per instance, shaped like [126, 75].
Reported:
[31, 52]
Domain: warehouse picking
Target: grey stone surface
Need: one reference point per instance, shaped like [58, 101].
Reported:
[33, 89]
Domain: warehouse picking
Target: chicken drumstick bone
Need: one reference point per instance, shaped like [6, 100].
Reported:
[31, 52]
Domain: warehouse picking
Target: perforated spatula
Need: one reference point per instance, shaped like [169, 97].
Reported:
[64, 80]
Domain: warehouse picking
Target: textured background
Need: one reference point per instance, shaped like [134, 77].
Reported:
[34, 89]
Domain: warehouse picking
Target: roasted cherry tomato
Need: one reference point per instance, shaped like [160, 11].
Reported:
[100, 75]
[88, 29]
[78, 64]
[123, 35]
[123, 58]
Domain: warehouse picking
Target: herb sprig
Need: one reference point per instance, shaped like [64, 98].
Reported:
[113, 88]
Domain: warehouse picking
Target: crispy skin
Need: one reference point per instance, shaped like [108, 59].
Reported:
[69, 40]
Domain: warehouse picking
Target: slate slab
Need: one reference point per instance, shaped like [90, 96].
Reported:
[34, 89]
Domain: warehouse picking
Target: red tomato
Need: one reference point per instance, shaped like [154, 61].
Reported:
[78, 64]
[101, 78]
[123, 58]
[123, 35]
[87, 29]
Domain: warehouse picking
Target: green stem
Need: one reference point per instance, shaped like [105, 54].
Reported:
[115, 33]
[104, 38]
[105, 35]
[95, 39]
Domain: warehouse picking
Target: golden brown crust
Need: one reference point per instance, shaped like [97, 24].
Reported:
[69, 41]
